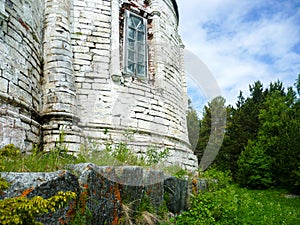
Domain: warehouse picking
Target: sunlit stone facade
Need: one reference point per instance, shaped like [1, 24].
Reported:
[95, 70]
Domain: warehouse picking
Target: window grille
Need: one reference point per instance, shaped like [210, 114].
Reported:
[135, 45]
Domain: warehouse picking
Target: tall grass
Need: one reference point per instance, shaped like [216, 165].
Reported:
[11, 160]
[227, 203]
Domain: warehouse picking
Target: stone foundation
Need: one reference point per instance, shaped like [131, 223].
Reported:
[105, 189]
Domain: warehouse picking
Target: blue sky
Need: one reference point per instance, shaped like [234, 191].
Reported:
[240, 42]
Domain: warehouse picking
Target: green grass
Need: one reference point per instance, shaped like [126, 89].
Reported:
[224, 202]
[227, 203]
[11, 159]
[41, 162]
[267, 207]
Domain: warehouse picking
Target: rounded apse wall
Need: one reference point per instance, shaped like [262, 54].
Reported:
[21, 25]
[113, 96]
[99, 71]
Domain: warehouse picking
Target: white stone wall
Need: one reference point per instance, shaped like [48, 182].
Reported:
[21, 24]
[82, 91]
[91, 32]
[59, 111]
[155, 108]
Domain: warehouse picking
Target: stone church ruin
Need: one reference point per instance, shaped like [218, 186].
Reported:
[94, 69]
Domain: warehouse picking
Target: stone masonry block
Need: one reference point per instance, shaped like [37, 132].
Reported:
[3, 85]
[82, 62]
[176, 194]
[80, 49]
[101, 190]
[83, 56]
[100, 58]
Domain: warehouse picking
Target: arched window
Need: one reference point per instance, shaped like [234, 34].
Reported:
[135, 45]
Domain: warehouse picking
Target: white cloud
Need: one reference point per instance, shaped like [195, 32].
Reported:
[243, 41]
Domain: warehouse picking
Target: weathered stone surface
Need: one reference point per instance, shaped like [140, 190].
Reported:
[52, 53]
[199, 185]
[103, 195]
[176, 194]
[21, 26]
[110, 187]
[102, 190]
[42, 184]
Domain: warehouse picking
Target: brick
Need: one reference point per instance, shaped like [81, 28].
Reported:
[82, 62]
[80, 49]
[82, 56]
[136, 92]
[100, 58]
[3, 85]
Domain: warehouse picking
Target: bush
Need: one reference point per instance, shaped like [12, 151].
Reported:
[9, 151]
[213, 206]
[226, 203]
[21, 210]
[254, 167]
[216, 179]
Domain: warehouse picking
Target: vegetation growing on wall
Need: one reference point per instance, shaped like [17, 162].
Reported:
[261, 150]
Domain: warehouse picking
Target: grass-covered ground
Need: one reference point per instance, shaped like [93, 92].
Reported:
[224, 202]
[227, 203]
[267, 207]
[12, 160]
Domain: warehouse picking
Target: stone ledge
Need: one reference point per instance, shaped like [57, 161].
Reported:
[107, 189]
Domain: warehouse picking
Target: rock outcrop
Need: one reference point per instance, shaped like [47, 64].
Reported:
[103, 191]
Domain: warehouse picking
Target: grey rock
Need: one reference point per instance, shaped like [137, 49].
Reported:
[110, 187]
[44, 185]
[176, 194]
[102, 191]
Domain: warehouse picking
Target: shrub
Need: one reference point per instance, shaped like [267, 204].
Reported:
[154, 156]
[21, 210]
[225, 203]
[213, 206]
[254, 167]
[10, 151]
[124, 154]
[216, 179]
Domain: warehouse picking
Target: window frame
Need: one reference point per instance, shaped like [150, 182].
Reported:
[126, 71]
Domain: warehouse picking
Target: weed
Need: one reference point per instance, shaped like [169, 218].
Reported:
[139, 212]
[226, 203]
[82, 213]
[10, 151]
[154, 156]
